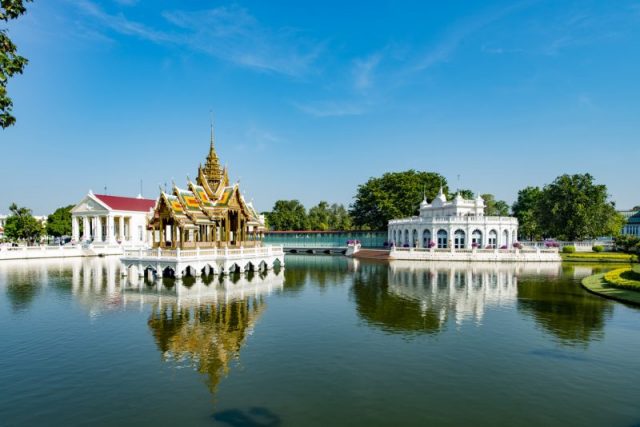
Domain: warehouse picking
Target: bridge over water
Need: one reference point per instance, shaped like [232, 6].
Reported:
[324, 241]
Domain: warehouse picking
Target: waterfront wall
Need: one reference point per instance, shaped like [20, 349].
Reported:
[325, 239]
[468, 255]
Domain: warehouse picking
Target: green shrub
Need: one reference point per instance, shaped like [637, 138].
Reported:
[598, 248]
[568, 249]
[624, 278]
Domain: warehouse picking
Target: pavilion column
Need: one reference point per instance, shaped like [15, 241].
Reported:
[75, 229]
[98, 230]
[110, 229]
[121, 227]
[85, 228]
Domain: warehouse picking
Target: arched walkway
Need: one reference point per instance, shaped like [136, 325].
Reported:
[443, 240]
[426, 239]
[476, 239]
[459, 239]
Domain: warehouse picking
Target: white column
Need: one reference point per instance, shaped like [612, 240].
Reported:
[75, 229]
[98, 235]
[110, 229]
[121, 233]
[85, 228]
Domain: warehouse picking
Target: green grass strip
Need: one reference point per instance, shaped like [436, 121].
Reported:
[598, 257]
[596, 284]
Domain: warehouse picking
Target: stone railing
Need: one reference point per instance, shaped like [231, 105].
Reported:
[204, 253]
[456, 220]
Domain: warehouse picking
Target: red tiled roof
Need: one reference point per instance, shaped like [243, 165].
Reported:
[126, 203]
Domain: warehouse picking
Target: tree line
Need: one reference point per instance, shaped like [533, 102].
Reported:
[572, 207]
[292, 215]
[22, 226]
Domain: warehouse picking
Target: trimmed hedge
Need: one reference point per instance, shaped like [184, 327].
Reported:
[624, 278]
[598, 248]
[568, 249]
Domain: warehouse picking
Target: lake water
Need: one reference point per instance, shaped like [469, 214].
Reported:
[328, 341]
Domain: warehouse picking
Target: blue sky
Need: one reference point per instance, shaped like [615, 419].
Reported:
[313, 98]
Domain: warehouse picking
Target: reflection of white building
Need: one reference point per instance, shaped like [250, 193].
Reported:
[463, 291]
[112, 219]
[459, 223]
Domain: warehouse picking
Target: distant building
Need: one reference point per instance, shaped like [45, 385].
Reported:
[3, 221]
[101, 218]
[633, 222]
[459, 223]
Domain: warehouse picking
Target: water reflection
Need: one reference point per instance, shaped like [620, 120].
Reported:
[203, 324]
[322, 271]
[562, 308]
[421, 297]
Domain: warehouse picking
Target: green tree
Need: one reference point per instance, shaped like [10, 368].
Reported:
[526, 210]
[493, 207]
[21, 225]
[59, 222]
[340, 218]
[574, 208]
[393, 195]
[10, 62]
[467, 194]
[287, 215]
[319, 217]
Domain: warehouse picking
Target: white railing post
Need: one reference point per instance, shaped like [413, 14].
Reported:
[177, 253]
[197, 251]
[159, 252]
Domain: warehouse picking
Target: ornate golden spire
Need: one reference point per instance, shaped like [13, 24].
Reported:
[212, 166]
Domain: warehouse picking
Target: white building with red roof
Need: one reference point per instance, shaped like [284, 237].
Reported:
[101, 218]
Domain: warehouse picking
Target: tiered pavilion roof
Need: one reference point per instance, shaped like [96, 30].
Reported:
[209, 212]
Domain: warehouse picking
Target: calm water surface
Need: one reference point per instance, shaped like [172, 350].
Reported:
[327, 341]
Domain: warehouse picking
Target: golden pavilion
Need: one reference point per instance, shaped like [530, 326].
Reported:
[209, 213]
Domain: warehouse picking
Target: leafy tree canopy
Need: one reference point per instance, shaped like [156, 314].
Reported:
[526, 210]
[21, 225]
[573, 207]
[59, 222]
[329, 217]
[466, 194]
[10, 62]
[493, 207]
[287, 215]
[393, 195]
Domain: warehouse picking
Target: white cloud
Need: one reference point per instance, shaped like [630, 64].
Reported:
[364, 69]
[228, 33]
[332, 108]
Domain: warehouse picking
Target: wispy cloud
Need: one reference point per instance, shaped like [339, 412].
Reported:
[332, 108]
[228, 33]
[364, 69]
[445, 48]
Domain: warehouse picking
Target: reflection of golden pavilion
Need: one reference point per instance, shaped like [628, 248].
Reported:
[465, 290]
[205, 326]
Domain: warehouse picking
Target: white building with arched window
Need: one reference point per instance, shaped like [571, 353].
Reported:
[457, 224]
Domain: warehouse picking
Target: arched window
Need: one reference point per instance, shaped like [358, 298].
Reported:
[426, 239]
[476, 239]
[505, 238]
[514, 237]
[414, 238]
[493, 239]
[406, 237]
[459, 239]
[442, 239]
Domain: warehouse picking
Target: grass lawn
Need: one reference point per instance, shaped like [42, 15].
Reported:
[599, 286]
[598, 257]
